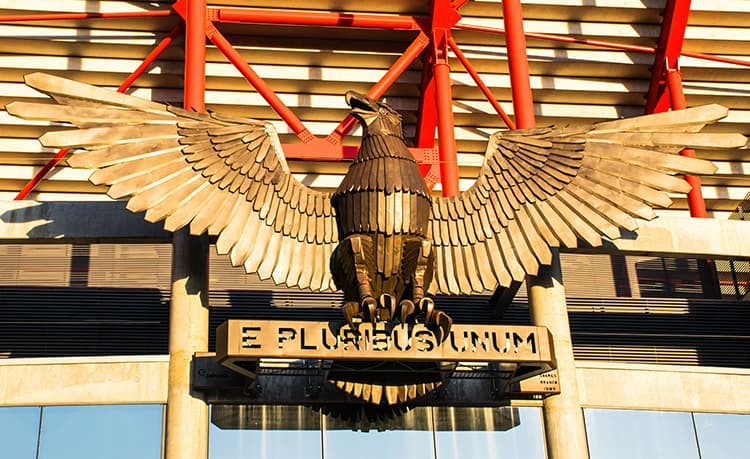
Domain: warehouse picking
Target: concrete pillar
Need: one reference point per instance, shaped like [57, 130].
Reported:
[187, 413]
[563, 417]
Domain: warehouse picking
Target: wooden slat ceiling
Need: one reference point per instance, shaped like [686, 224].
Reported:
[311, 67]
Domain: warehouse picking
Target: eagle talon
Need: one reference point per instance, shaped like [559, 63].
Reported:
[444, 323]
[407, 309]
[388, 306]
[352, 310]
[427, 306]
[370, 305]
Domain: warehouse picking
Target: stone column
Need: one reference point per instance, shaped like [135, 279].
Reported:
[187, 412]
[563, 417]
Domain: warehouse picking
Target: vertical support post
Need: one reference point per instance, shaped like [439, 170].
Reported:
[443, 16]
[427, 121]
[563, 418]
[446, 136]
[677, 98]
[518, 63]
[696, 203]
[187, 412]
[667, 53]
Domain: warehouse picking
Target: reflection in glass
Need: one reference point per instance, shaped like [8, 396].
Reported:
[722, 436]
[101, 431]
[632, 434]
[263, 432]
[408, 436]
[488, 432]
[19, 431]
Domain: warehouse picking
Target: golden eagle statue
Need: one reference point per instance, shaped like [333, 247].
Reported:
[381, 237]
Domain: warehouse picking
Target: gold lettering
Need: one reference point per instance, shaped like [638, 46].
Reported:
[380, 340]
[286, 334]
[425, 340]
[529, 341]
[324, 333]
[249, 338]
[304, 345]
[398, 333]
[350, 336]
[464, 341]
[475, 338]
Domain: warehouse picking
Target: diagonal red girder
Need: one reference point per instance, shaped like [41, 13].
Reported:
[667, 53]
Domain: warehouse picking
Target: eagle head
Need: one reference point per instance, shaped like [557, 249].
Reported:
[377, 118]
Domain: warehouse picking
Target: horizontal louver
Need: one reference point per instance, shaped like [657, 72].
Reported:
[112, 299]
[311, 67]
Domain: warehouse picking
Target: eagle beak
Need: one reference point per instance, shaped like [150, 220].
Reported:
[361, 104]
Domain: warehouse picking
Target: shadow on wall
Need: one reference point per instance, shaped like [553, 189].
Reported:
[75, 220]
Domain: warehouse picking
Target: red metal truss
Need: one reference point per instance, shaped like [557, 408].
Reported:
[434, 33]
[696, 204]
[523, 103]
[147, 61]
[668, 52]
[665, 91]
[433, 41]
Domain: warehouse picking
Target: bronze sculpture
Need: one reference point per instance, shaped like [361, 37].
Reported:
[382, 237]
[383, 212]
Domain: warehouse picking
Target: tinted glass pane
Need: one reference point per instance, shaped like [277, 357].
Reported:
[102, 431]
[19, 429]
[631, 434]
[722, 436]
[408, 436]
[264, 432]
[489, 432]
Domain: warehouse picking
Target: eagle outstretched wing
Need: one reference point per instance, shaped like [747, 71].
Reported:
[550, 187]
[222, 174]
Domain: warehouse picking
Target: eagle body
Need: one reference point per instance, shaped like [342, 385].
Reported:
[384, 202]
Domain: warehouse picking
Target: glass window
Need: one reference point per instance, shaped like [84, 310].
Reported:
[264, 432]
[633, 434]
[19, 431]
[99, 431]
[722, 435]
[408, 436]
[489, 432]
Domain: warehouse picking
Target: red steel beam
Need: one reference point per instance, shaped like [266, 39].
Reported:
[150, 58]
[478, 81]
[445, 125]
[677, 98]
[258, 83]
[67, 16]
[427, 111]
[668, 51]
[317, 18]
[523, 102]
[385, 82]
[444, 16]
[195, 55]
